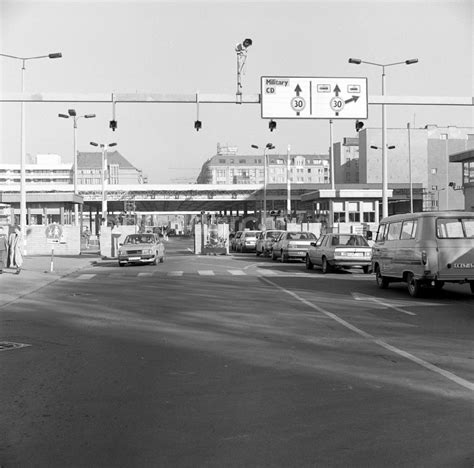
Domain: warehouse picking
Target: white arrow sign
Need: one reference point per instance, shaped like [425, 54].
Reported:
[313, 98]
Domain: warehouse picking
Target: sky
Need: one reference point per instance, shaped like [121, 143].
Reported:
[181, 47]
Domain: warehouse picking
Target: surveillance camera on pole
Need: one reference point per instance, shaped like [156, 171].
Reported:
[241, 50]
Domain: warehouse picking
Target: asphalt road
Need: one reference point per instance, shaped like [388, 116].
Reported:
[236, 361]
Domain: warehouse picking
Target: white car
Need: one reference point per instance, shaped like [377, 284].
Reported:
[265, 242]
[141, 248]
[292, 245]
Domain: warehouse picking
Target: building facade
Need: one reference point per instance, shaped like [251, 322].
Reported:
[227, 167]
[119, 170]
[422, 153]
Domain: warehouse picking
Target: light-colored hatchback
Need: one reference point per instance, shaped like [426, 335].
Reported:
[425, 249]
[265, 242]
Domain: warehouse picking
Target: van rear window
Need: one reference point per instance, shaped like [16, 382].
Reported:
[455, 228]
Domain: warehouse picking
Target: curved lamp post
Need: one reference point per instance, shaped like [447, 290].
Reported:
[384, 125]
[72, 113]
[268, 146]
[104, 149]
[23, 139]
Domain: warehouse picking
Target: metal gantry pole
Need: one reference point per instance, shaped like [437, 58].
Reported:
[104, 183]
[23, 161]
[76, 208]
[331, 153]
[288, 182]
[409, 168]
[264, 214]
[384, 152]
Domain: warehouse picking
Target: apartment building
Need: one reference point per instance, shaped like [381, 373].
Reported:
[228, 167]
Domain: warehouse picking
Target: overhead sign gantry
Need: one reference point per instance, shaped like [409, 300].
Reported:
[313, 97]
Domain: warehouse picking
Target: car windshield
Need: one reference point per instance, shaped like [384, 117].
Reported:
[347, 239]
[301, 236]
[139, 239]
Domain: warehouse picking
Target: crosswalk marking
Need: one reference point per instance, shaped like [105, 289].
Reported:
[237, 272]
[206, 272]
[175, 273]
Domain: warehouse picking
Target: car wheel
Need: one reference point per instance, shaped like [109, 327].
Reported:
[274, 257]
[439, 285]
[413, 285]
[366, 269]
[121, 264]
[308, 262]
[471, 283]
[382, 281]
[325, 265]
[162, 259]
[283, 257]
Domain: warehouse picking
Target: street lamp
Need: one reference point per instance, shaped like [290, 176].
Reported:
[72, 113]
[268, 146]
[104, 149]
[376, 148]
[241, 50]
[23, 140]
[384, 125]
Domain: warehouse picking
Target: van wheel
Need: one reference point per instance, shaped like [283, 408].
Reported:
[309, 263]
[471, 283]
[382, 281]
[438, 285]
[414, 285]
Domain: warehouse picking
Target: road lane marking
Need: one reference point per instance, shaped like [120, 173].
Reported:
[145, 273]
[363, 297]
[175, 273]
[237, 272]
[268, 272]
[206, 272]
[427, 365]
[86, 276]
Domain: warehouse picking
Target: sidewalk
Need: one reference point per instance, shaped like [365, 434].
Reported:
[36, 273]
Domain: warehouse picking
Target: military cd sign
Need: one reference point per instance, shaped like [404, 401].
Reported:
[313, 98]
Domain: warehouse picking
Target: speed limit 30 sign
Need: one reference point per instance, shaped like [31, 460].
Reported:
[313, 97]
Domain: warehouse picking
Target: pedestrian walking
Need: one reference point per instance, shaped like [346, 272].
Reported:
[14, 248]
[3, 249]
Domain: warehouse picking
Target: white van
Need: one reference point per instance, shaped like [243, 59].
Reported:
[425, 250]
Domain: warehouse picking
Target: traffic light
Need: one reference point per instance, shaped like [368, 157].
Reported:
[197, 125]
[113, 125]
[272, 125]
[359, 125]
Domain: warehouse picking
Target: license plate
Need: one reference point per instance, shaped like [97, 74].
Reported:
[134, 258]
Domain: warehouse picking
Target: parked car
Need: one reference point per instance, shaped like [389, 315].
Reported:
[247, 241]
[340, 251]
[141, 248]
[425, 250]
[265, 242]
[292, 245]
[234, 241]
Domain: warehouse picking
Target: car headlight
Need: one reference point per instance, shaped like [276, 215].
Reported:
[147, 251]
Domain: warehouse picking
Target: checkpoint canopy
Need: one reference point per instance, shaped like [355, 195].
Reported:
[313, 97]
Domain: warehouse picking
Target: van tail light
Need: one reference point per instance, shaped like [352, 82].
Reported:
[423, 257]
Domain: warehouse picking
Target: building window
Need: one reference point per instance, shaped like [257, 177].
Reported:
[339, 217]
[242, 161]
[222, 161]
[309, 171]
[369, 217]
